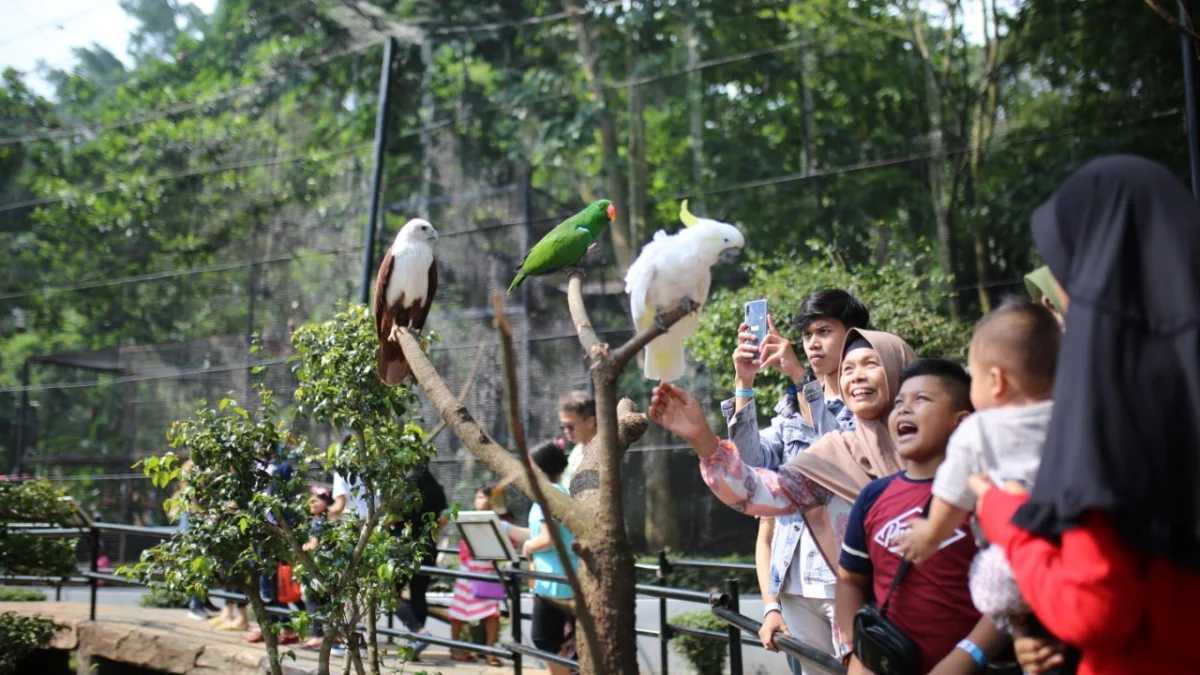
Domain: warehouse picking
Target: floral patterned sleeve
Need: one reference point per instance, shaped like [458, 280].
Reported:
[759, 492]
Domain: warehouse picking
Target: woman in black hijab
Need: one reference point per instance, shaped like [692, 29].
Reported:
[1107, 548]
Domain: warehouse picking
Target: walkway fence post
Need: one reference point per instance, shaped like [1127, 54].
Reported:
[664, 626]
[514, 614]
[735, 633]
[93, 582]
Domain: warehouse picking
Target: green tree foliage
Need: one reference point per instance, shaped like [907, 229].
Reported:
[245, 516]
[901, 300]
[28, 502]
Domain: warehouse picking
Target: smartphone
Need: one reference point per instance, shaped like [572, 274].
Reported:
[756, 318]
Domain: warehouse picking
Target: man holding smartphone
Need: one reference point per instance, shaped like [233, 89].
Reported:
[796, 581]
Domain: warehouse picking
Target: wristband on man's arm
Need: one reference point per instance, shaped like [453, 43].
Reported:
[772, 607]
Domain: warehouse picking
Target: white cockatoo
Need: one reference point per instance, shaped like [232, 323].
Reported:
[673, 271]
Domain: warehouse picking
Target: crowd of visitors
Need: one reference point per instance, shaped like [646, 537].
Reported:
[1067, 450]
[1033, 508]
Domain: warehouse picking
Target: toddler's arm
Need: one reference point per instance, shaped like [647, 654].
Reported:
[925, 536]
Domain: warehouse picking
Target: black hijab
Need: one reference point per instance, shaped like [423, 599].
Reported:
[1122, 236]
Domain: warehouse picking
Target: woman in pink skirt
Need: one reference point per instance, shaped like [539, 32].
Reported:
[479, 600]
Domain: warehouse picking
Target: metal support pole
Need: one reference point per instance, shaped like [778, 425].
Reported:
[735, 633]
[381, 130]
[1189, 92]
[664, 626]
[514, 614]
[95, 567]
[22, 421]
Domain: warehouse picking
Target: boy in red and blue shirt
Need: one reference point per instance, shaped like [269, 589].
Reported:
[932, 604]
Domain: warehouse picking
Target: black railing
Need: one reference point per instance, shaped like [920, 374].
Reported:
[724, 606]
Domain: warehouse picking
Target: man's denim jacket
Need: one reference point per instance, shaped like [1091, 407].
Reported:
[772, 447]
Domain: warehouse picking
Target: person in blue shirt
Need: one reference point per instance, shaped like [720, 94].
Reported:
[553, 623]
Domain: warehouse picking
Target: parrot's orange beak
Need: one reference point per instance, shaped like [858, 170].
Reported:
[612, 212]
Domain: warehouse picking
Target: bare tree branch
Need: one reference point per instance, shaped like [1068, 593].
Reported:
[622, 355]
[582, 616]
[592, 344]
[466, 388]
[579, 315]
[289, 535]
[1172, 21]
[496, 457]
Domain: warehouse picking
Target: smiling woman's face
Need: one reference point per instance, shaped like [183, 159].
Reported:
[864, 384]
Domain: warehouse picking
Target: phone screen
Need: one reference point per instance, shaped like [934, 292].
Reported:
[756, 318]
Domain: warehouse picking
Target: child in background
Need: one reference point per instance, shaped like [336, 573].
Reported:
[1012, 359]
[318, 508]
[478, 600]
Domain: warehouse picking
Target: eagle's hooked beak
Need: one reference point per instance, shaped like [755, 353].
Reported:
[729, 255]
[433, 234]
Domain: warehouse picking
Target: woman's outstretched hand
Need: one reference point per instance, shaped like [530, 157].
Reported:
[676, 411]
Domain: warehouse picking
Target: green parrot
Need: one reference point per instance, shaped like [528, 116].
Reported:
[565, 245]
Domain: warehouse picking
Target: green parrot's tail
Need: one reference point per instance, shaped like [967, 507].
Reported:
[516, 282]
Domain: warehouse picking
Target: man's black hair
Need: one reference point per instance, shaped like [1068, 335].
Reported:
[550, 459]
[832, 303]
[952, 375]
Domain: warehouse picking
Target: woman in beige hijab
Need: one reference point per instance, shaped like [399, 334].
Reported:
[824, 480]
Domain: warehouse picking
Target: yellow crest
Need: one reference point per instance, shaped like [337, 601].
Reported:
[686, 216]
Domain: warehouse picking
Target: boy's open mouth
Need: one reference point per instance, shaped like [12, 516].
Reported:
[905, 430]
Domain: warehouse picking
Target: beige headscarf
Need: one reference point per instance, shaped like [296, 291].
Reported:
[846, 461]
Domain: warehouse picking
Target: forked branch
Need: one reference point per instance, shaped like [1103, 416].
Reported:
[491, 453]
[512, 397]
[621, 356]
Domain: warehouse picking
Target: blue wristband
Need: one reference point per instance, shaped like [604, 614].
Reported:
[743, 393]
[974, 650]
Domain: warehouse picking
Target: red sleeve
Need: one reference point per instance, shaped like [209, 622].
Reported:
[1085, 590]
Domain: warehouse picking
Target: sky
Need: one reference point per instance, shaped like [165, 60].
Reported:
[46, 30]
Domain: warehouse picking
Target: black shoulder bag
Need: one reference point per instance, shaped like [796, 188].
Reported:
[880, 644]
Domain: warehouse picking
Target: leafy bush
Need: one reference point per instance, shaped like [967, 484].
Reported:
[161, 597]
[10, 594]
[707, 657]
[22, 635]
[900, 297]
[245, 518]
[32, 501]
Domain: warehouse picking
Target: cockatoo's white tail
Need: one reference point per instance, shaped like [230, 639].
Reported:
[665, 360]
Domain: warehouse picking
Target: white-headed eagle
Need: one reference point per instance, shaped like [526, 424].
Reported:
[404, 290]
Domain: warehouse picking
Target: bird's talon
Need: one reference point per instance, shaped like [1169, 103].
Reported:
[688, 305]
[593, 248]
[660, 322]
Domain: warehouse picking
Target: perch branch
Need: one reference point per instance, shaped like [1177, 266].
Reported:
[622, 355]
[497, 458]
[509, 360]
[592, 345]
[579, 315]
[466, 388]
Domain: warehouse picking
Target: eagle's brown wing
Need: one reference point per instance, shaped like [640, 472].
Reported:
[421, 313]
[391, 366]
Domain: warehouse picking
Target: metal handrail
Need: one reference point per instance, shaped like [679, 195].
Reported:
[724, 605]
[800, 650]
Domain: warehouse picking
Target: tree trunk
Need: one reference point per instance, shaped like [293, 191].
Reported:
[695, 98]
[937, 185]
[261, 618]
[610, 146]
[426, 122]
[607, 575]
